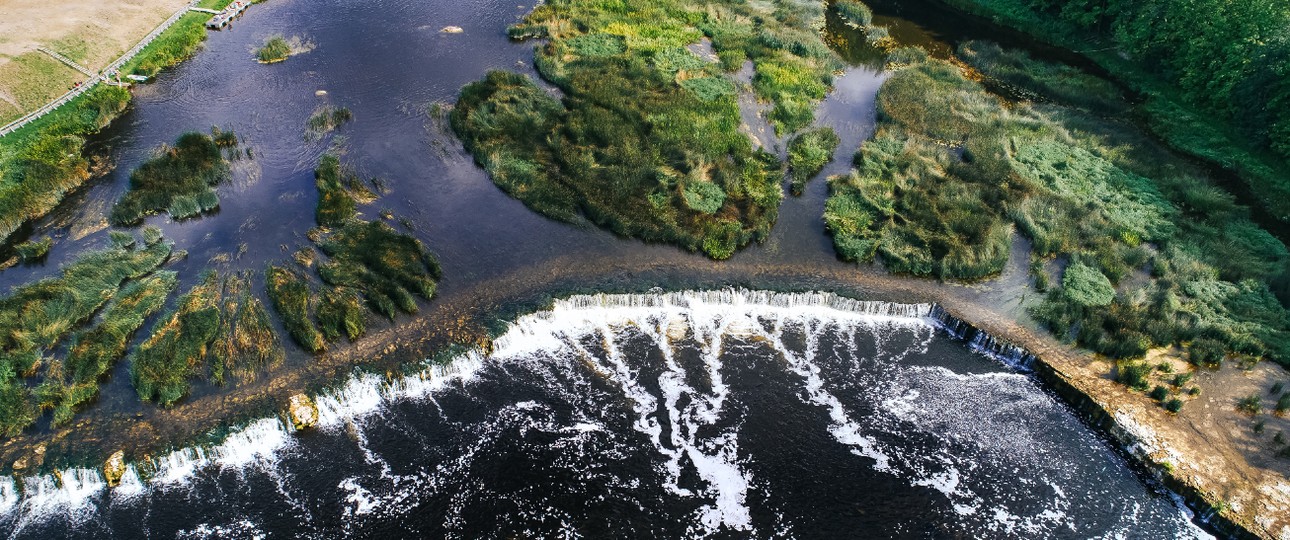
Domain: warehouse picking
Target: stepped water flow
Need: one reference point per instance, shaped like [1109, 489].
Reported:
[671, 414]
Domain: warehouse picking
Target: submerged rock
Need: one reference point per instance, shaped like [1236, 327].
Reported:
[114, 468]
[452, 30]
[303, 412]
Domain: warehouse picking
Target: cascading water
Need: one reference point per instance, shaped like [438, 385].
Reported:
[694, 414]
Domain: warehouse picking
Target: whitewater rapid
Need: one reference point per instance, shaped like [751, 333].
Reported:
[645, 389]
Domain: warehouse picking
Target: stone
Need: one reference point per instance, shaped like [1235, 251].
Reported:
[114, 468]
[452, 30]
[303, 412]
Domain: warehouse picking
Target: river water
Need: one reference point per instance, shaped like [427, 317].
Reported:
[715, 414]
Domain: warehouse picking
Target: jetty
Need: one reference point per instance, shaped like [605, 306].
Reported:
[222, 18]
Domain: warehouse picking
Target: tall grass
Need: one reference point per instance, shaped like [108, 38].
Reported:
[808, 153]
[179, 180]
[218, 328]
[275, 49]
[293, 300]
[38, 317]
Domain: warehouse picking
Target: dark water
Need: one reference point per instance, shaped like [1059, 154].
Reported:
[720, 415]
[571, 431]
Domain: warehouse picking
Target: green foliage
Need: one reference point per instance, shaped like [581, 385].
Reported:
[336, 187]
[340, 313]
[1283, 403]
[385, 266]
[1159, 393]
[1040, 81]
[1087, 287]
[951, 167]
[647, 139]
[34, 250]
[292, 298]
[326, 119]
[177, 179]
[1135, 375]
[853, 12]
[37, 317]
[1251, 404]
[217, 328]
[662, 172]
[1173, 405]
[275, 49]
[808, 153]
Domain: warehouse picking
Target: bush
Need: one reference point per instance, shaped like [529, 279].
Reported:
[1159, 393]
[1135, 375]
[1283, 404]
[1174, 405]
[1087, 287]
[1251, 404]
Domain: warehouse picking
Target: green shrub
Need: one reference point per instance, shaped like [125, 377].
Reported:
[1086, 286]
[1159, 393]
[1251, 404]
[1135, 375]
[1173, 405]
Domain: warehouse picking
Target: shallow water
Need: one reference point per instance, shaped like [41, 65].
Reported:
[725, 414]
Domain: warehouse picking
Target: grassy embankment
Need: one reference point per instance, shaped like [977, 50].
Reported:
[1216, 90]
[1156, 254]
[53, 348]
[367, 262]
[647, 139]
[43, 161]
[219, 328]
[179, 179]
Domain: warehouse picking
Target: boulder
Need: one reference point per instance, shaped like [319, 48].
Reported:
[114, 468]
[303, 412]
[452, 30]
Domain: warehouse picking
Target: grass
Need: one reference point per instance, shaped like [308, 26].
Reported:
[339, 190]
[808, 153]
[275, 49]
[326, 119]
[37, 318]
[646, 140]
[218, 327]
[1018, 74]
[292, 298]
[34, 250]
[178, 180]
[1158, 255]
[854, 12]
[387, 267]
[1212, 91]
[33, 79]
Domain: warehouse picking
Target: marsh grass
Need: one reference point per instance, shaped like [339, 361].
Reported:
[326, 119]
[218, 328]
[37, 317]
[292, 298]
[1040, 81]
[808, 153]
[646, 140]
[340, 188]
[275, 49]
[387, 267]
[34, 250]
[178, 180]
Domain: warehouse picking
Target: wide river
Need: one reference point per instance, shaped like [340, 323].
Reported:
[719, 414]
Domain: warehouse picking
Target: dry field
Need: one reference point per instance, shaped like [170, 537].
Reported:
[91, 33]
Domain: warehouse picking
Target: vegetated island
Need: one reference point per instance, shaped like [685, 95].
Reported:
[646, 139]
[179, 179]
[277, 48]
